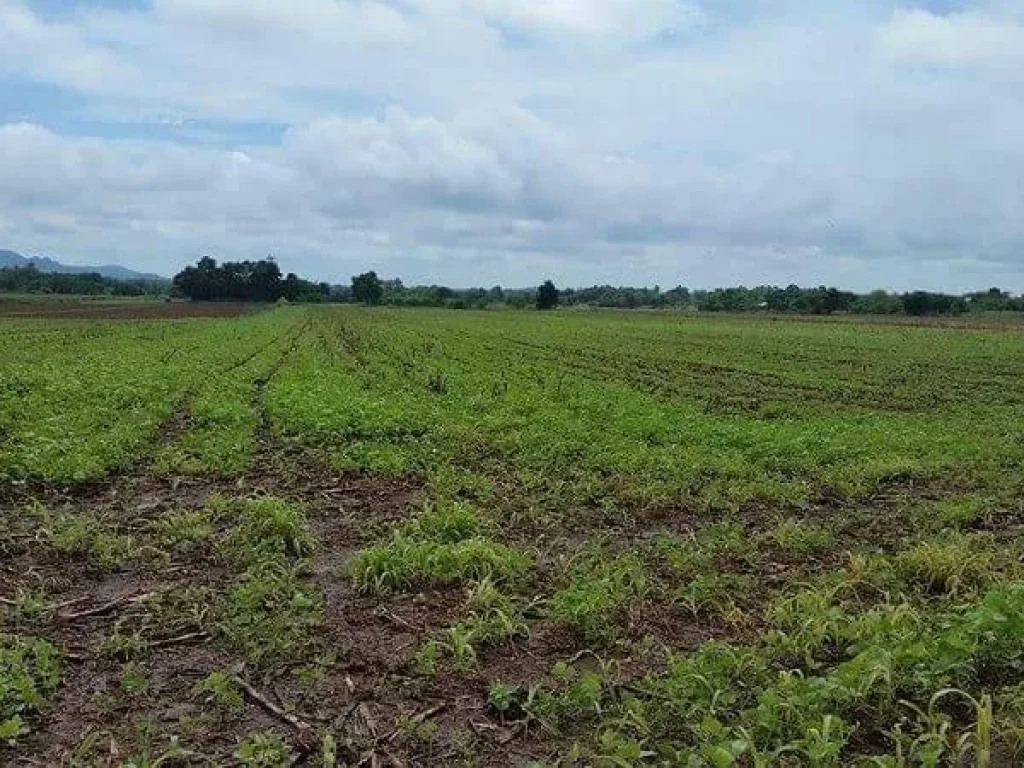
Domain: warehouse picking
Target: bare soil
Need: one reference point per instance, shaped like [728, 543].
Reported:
[120, 310]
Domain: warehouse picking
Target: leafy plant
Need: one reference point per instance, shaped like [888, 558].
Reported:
[30, 671]
[800, 538]
[597, 588]
[404, 563]
[271, 611]
[263, 750]
[221, 689]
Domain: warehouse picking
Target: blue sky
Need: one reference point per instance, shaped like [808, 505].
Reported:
[866, 144]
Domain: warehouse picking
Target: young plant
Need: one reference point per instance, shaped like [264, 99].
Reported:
[263, 750]
[799, 538]
[30, 671]
[271, 611]
[404, 563]
[220, 688]
[266, 528]
[948, 564]
[184, 532]
[598, 587]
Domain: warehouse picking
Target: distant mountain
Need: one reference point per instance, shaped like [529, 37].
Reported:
[43, 264]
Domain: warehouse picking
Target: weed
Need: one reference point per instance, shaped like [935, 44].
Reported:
[184, 532]
[189, 608]
[123, 645]
[492, 618]
[422, 733]
[265, 528]
[428, 657]
[959, 512]
[220, 689]
[799, 538]
[597, 588]
[30, 671]
[27, 606]
[948, 564]
[447, 523]
[725, 543]
[504, 698]
[271, 612]
[133, 679]
[805, 625]
[263, 750]
[580, 696]
[405, 563]
[712, 593]
[79, 535]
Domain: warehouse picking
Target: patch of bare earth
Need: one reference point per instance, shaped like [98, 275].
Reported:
[142, 310]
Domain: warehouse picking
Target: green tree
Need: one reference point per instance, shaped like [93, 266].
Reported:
[878, 303]
[547, 296]
[367, 288]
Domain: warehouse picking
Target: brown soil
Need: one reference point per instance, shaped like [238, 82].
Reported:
[367, 690]
[364, 694]
[141, 310]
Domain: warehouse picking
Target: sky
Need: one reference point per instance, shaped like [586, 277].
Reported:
[861, 143]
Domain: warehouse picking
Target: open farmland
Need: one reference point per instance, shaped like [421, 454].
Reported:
[391, 537]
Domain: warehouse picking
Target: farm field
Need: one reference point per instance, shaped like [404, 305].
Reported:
[337, 536]
[112, 308]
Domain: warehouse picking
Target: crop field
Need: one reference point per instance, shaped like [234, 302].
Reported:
[340, 536]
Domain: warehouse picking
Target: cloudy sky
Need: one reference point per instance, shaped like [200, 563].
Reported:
[865, 143]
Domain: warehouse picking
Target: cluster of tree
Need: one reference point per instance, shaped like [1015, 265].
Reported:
[826, 301]
[263, 281]
[31, 280]
[258, 281]
[368, 288]
[808, 301]
[793, 299]
[994, 300]
[624, 297]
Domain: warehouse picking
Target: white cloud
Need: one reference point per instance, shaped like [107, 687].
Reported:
[57, 52]
[649, 140]
[971, 38]
[622, 19]
[421, 158]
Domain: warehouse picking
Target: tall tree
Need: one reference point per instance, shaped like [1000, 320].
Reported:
[367, 288]
[547, 296]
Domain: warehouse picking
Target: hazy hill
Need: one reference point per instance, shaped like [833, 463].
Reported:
[43, 264]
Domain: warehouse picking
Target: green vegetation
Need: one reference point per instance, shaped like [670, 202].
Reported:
[30, 671]
[598, 587]
[271, 609]
[581, 537]
[405, 562]
[79, 399]
[259, 281]
[490, 617]
[34, 281]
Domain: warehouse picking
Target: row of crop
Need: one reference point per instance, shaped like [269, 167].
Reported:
[87, 402]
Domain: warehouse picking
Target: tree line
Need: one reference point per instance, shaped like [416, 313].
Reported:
[31, 280]
[263, 281]
[821, 300]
